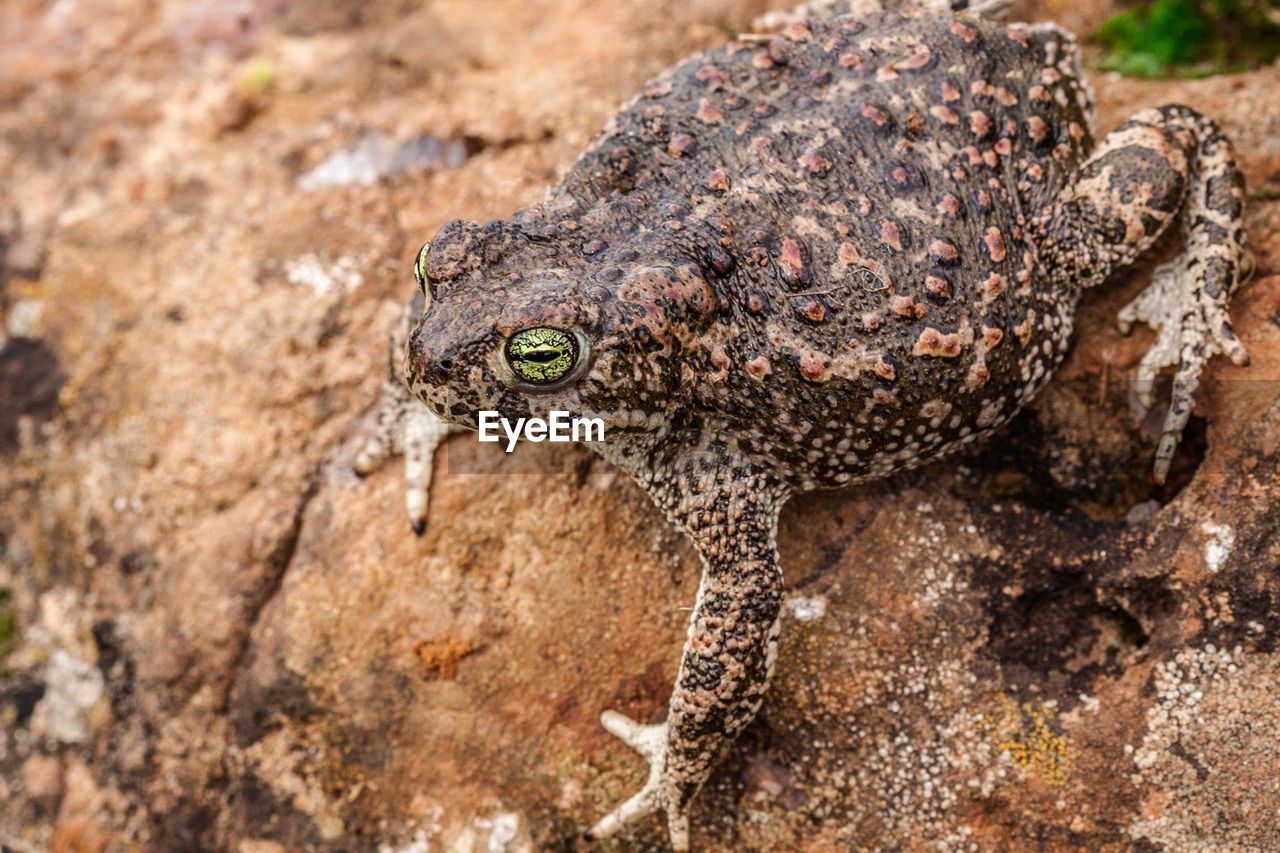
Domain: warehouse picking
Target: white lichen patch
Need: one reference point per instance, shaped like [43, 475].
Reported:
[1207, 765]
[323, 276]
[72, 687]
[377, 156]
[942, 580]
[498, 833]
[419, 843]
[1219, 544]
[806, 608]
[23, 319]
[923, 775]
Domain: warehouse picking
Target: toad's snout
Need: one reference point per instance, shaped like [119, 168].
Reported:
[429, 362]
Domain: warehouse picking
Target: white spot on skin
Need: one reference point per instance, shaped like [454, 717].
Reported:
[324, 277]
[1222, 539]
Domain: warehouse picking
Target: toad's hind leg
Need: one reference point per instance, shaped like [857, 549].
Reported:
[1163, 165]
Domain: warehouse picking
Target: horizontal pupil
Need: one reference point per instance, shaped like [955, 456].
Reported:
[542, 356]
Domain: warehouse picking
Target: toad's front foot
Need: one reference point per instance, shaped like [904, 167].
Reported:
[658, 793]
[405, 425]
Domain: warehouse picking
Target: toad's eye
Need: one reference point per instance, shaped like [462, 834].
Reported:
[420, 268]
[542, 355]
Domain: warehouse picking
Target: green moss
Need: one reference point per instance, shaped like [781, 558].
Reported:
[8, 625]
[1190, 38]
[256, 81]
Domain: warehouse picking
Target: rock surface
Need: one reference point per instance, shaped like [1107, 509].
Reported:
[222, 639]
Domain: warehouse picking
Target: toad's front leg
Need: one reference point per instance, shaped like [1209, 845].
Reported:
[731, 514]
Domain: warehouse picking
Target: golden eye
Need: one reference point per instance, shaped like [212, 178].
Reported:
[542, 355]
[420, 268]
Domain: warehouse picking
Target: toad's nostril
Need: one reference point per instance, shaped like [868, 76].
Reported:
[444, 365]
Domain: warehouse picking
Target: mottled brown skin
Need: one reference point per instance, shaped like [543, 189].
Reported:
[814, 260]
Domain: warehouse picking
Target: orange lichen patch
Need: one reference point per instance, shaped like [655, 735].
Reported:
[440, 656]
[937, 344]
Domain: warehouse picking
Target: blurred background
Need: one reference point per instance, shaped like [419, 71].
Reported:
[213, 636]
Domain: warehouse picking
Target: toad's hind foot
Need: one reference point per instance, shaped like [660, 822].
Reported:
[1187, 300]
[1163, 166]
[651, 742]
[1192, 327]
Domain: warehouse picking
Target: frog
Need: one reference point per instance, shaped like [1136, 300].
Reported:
[808, 259]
